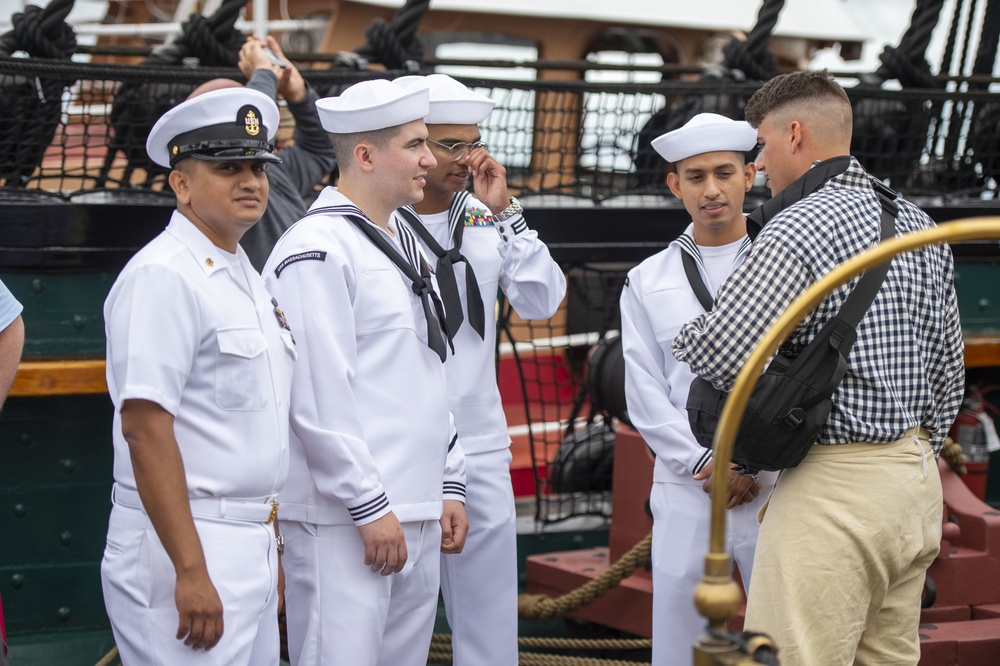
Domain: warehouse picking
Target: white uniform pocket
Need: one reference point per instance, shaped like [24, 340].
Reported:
[241, 371]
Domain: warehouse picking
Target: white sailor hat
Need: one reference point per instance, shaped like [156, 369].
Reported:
[451, 102]
[218, 126]
[371, 105]
[705, 133]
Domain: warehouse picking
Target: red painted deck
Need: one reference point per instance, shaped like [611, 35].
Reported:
[548, 384]
[960, 628]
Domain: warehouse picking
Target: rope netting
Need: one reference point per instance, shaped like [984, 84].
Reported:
[572, 139]
[565, 144]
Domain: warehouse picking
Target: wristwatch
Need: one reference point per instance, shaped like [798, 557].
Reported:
[510, 211]
[279, 544]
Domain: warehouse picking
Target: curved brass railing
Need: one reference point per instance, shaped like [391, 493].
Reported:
[717, 596]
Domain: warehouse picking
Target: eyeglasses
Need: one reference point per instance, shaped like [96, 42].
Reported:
[457, 151]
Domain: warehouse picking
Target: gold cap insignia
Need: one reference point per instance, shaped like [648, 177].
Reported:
[176, 149]
[252, 123]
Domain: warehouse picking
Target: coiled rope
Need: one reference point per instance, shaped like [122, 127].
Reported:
[214, 41]
[395, 43]
[30, 109]
[751, 56]
[907, 62]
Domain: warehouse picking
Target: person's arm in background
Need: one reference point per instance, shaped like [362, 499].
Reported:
[310, 159]
[11, 340]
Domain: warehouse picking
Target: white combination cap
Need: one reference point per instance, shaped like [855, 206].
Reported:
[451, 102]
[219, 126]
[372, 105]
[705, 133]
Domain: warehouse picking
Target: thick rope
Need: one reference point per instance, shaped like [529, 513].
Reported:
[751, 56]
[918, 34]
[214, 40]
[912, 71]
[952, 454]
[588, 643]
[908, 62]
[396, 42]
[442, 642]
[542, 607]
[986, 55]
[41, 33]
[542, 659]
[30, 107]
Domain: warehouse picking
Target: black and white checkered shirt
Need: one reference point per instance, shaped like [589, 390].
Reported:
[906, 368]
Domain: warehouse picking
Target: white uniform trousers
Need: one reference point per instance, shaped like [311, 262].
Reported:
[139, 580]
[680, 540]
[341, 613]
[479, 585]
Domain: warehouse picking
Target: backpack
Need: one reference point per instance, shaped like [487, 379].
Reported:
[793, 398]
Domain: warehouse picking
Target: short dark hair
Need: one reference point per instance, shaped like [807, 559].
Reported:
[345, 143]
[793, 87]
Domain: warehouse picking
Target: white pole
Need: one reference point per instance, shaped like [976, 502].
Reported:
[260, 16]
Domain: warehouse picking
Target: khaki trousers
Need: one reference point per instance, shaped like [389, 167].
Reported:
[845, 541]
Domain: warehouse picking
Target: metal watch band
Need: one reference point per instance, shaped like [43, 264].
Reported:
[513, 209]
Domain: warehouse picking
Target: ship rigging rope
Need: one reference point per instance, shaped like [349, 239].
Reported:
[751, 56]
[29, 106]
[394, 43]
[42, 33]
[214, 40]
[986, 55]
[907, 62]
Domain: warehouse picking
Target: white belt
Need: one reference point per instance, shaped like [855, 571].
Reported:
[259, 510]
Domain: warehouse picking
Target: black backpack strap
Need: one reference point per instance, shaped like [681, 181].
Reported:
[697, 284]
[864, 293]
[841, 331]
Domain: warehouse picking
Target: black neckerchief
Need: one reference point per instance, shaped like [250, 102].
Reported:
[808, 183]
[417, 271]
[445, 269]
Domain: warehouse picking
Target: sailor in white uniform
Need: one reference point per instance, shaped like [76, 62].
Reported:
[476, 250]
[375, 462]
[711, 176]
[199, 366]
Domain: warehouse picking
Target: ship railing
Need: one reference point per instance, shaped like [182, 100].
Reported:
[576, 141]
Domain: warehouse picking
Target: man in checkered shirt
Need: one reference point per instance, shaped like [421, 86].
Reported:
[847, 536]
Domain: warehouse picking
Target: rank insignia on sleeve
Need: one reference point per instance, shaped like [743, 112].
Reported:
[478, 217]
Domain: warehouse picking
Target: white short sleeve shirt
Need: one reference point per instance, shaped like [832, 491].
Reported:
[194, 330]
